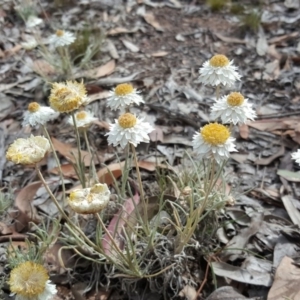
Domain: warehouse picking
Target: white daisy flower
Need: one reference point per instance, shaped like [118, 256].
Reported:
[83, 119]
[213, 140]
[129, 129]
[61, 38]
[28, 151]
[233, 108]
[296, 156]
[122, 96]
[38, 115]
[33, 21]
[89, 200]
[218, 70]
[30, 281]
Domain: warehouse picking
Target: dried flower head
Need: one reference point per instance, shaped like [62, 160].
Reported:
[30, 281]
[38, 115]
[213, 140]
[129, 129]
[218, 70]
[67, 97]
[83, 119]
[61, 38]
[233, 108]
[122, 96]
[296, 156]
[89, 200]
[28, 151]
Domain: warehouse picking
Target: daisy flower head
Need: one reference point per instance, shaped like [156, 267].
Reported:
[61, 38]
[129, 129]
[122, 96]
[29, 281]
[233, 108]
[28, 151]
[214, 140]
[83, 119]
[33, 21]
[89, 200]
[68, 96]
[296, 156]
[218, 70]
[38, 115]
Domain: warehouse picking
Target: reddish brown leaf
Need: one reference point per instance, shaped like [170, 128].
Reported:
[116, 170]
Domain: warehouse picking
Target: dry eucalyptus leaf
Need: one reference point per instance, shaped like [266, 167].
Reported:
[286, 281]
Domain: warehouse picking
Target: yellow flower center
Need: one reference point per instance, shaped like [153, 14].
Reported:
[99, 188]
[235, 99]
[81, 115]
[123, 89]
[219, 61]
[215, 134]
[127, 120]
[28, 279]
[66, 97]
[33, 107]
[59, 33]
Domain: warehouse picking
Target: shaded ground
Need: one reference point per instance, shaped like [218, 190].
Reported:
[160, 46]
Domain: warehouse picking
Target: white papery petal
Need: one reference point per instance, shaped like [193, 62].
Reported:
[115, 101]
[219, 152]
[134, 135]
[218, 75]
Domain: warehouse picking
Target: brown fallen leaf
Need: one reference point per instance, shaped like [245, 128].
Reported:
[286, 281]
[42, 67]
[151, 20]
[26, 212]
[266, 161]
[244, 131]
[120, 30]
[67, 170]
[116, 170]
[160, 54]
[66, 150]
[101, 71]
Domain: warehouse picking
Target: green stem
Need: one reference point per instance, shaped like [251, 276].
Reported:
[91, 157]
[218, 92]
[68, 220]
[140, 182]
[57, 162]
[80, 162]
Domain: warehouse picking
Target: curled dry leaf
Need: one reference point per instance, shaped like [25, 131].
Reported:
[26, 212]
[101, 71]
[150, 19]
[105, 174]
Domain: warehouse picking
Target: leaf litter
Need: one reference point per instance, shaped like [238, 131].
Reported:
[256, 238]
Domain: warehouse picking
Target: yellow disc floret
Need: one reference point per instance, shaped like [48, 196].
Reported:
[28, 279]
[33, 107]
[235, 99]
[124, 89]
[59, 33]
[215, 134]
[67, 97]
[99, 188]
[81, 115]
[219, 61]
[127, 120]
